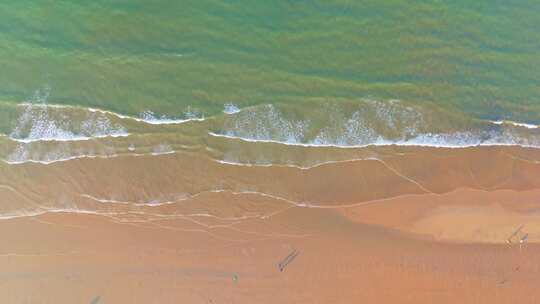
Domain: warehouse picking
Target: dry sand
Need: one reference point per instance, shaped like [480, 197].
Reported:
[418, 225]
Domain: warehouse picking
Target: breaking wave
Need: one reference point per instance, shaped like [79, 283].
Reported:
[44, 123]
[45, 134]
[150, 118]
[371, 123]
[230, 108]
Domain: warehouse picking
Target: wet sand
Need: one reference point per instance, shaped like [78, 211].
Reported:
[403, 225]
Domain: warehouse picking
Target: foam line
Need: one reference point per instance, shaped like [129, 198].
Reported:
[513, 123]
[149, 120]
[67, 139]
[409, 143]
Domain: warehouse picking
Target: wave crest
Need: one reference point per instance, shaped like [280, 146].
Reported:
[44, 123]
[370, 122]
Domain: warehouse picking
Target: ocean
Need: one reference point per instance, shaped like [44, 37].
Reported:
[251, 83]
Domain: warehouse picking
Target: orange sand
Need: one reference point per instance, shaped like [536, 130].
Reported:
[417, 225]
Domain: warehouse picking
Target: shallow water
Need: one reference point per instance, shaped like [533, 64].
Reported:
[255, 86]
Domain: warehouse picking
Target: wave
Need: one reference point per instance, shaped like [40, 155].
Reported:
[147, 117]
[457, 140]
[230, 109]
[371, 123]
[35, 122]
[354, 124]
[44, 123]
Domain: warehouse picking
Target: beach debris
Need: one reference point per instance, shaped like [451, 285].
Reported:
[235, 278]
[287, 260]
[518, 236]
[523, 239]
[95, 300]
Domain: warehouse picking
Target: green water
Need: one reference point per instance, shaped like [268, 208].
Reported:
[479, 57]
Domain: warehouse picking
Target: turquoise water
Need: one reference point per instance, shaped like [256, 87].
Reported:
[478, 57]
[102, 78]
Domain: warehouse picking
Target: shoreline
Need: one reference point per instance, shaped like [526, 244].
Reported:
[415, 226]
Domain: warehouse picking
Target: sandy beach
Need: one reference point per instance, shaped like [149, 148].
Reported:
[419, 225]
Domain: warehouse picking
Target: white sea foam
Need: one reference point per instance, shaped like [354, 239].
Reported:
[230, 108]
[150, 118]
[354, 125]
[52, 122]
[264, 122]
[147, 117]
[369, 123]
[458, 140]
[513, 123]
[162, 153]
[48, 124]
[67, 137]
